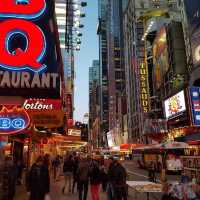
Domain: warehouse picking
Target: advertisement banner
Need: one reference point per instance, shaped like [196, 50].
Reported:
[30, 64]
[192, 11]
[46, 119]
[195, 103]
[160, 57]
[175, 105]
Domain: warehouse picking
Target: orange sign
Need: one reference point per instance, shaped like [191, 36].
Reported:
[52, 119]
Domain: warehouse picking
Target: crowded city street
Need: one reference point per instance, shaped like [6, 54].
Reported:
[99, 99]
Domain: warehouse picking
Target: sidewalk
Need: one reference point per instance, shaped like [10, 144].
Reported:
[56, 193]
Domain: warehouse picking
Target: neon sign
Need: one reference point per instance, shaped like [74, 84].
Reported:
[26, 9]
[31, 56]
[13, 121]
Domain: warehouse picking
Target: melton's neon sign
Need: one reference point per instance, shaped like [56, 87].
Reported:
[13, 121]
[22, 11]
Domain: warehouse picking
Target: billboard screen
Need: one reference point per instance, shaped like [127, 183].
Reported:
[29, 57]
[160, 57]
[192, 12]
[195, 103]
[175, 105]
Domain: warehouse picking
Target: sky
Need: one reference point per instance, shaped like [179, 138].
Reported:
[83, 59]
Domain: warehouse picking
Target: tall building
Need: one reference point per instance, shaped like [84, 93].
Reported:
[94, 103]
[142, 20]
[115, 62]
[112, 75]
[62, 15]
[104, 97]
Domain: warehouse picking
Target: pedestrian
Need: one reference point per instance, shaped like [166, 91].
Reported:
[95, 179]
[68, 168]
[75, 169]
[38, 180]
[83, 178]
[152, 172]
[104, 176]
[20, 167]
[110, 189]
[56, 165]
[9, 178]
[119, 181]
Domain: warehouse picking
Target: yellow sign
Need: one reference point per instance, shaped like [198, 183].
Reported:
[144, 88]
[48, 119]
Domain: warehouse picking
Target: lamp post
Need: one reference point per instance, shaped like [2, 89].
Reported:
[73, 24]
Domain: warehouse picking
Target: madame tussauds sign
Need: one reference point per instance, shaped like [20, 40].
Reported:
[30, 64]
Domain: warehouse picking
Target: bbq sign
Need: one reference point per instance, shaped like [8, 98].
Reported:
[13, 121]
[28, 56]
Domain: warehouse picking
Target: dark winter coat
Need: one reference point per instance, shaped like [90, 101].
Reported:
[68, 166]
[83, 171]
[38, 182]
[119, 175]
[9, 177]
[95, 174]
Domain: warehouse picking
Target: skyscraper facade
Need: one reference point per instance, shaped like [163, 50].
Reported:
[115, 54]
[94, 103]
[104, 96]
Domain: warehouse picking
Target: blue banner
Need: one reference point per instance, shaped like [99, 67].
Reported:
[195, 103]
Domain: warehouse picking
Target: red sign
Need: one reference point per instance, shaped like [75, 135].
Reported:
[28, 9]
[13, 121]
[42, 104]
[29, 58]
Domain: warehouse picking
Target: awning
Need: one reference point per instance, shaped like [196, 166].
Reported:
[130, 146]
[187, 138]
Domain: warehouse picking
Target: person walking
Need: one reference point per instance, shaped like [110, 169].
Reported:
[110, 190]
[152, 172]
[119, 181]
[95, 180]
[56, 165]
[9, 178]
[38, 180]
[20, 167]
[83, 178]
[68, 168]
[104, 177]
[75, 169]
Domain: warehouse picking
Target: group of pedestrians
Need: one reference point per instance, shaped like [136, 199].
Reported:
[10, 176]
[81, 173]
[85, 172]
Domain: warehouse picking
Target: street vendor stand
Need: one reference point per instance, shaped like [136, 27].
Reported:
[145, 187]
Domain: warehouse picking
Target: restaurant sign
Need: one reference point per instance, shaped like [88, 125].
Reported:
[13, 121]
[42, 104]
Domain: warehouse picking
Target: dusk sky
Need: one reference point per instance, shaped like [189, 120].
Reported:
[83, 60]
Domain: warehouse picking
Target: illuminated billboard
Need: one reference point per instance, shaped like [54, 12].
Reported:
[195, 104]
[160, 57]
[30, 64]
[175, 105]
[192, 13]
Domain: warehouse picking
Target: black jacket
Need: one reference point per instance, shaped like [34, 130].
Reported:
[68, 166]
[119, 175]
[38, 182]
[95, 174]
